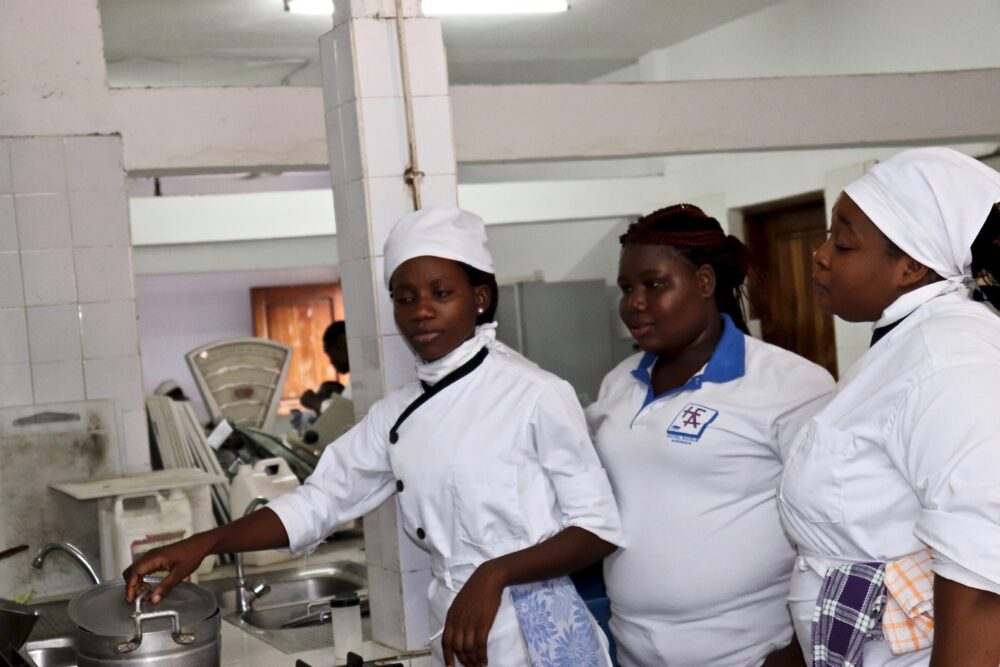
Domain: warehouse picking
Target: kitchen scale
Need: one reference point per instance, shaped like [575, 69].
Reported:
[241, 380]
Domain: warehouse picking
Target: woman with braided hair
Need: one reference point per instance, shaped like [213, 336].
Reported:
[692, 431]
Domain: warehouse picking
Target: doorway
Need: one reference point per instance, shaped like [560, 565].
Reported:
[297, 315]
[782, 237]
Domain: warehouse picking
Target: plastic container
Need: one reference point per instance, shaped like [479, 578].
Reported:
[137, 523]
[268, 478]
[345, 616]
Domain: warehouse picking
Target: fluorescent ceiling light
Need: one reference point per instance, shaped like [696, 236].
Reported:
[443, 7]
[313, 7]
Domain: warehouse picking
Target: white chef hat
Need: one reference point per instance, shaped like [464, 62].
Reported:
[450, 233]
[931, 202]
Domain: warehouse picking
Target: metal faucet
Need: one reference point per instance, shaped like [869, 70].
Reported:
[73, 551]
[245, 596]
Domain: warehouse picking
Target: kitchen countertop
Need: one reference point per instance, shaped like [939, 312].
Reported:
[240, 649]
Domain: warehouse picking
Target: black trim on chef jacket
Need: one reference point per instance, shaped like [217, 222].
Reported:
[430, 390]
[881, 332]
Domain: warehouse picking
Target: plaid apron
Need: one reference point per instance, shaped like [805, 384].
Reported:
[848, 613]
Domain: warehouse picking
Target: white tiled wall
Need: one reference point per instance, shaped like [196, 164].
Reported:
[368, 148]
[68, 328]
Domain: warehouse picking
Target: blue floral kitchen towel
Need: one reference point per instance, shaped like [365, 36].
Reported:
[558, 630]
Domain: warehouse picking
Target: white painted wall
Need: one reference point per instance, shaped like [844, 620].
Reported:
[178, 313]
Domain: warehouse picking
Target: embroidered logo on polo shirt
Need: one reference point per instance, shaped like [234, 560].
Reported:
[690, 424]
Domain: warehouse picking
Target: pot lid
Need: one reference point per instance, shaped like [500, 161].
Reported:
[102, 609]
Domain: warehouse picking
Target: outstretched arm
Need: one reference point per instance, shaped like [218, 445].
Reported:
[254, 532]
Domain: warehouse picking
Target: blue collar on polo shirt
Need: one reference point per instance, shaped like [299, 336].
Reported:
[728, 362]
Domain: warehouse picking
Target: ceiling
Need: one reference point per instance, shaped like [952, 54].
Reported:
[162, 43]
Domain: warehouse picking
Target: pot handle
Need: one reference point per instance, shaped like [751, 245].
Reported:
[138, 617]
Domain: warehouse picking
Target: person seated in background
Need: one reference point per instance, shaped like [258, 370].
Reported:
[335, 347]
[332, 401]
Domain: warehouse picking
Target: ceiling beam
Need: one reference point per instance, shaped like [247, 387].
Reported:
[200, 129]
[618, 120]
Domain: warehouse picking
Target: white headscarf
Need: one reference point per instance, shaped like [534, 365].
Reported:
[932, 203]
[450, 233]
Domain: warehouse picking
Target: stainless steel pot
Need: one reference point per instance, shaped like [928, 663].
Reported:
[181, 631]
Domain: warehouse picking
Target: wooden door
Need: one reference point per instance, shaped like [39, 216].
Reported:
[297, 315]
[782, 238]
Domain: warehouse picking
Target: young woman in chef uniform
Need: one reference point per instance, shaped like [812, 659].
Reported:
[892, 492]
[489, 455]
[692, 431]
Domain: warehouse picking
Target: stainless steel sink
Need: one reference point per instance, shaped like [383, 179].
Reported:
[54, 652]
[293, 616]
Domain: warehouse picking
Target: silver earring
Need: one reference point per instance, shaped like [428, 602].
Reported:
[481, 311]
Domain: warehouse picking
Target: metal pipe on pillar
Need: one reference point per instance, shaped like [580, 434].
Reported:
[413, 176]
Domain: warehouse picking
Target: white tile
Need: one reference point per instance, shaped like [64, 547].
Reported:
[400, 365]
[416, 609]
[59, 382]
[99, 219]
[15, 385]
[429, 70]
[439, 190]
[386, 604]
[104, 274]
[390, 200]
[48, 277]
[435, 145]
[135, 441]
[8, 224]
[6, 185]
[13, 337]
[54, 333]
[384, 305]
[383, 140]
[37, 165]
[11, 289]
[377, 58]
[334, 148]
[355, 161]
[328, 70]
[367, 384]
[109, 330]
[94, 163]
[351, 209]
[381, 544]
[120, 379]
[343, 53]
[357, 279]
[43, 221]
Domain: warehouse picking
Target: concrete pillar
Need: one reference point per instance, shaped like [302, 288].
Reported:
[368, 149]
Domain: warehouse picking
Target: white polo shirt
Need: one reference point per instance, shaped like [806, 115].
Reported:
[705, 576]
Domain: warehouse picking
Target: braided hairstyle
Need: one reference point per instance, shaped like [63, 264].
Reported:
[986, 259]
[699, 238]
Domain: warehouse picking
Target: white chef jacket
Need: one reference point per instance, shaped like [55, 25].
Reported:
[705, 577]
[497, 462]
[906, 455]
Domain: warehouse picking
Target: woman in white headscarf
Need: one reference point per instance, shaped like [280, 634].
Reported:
[892, 492]
[489, 455]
